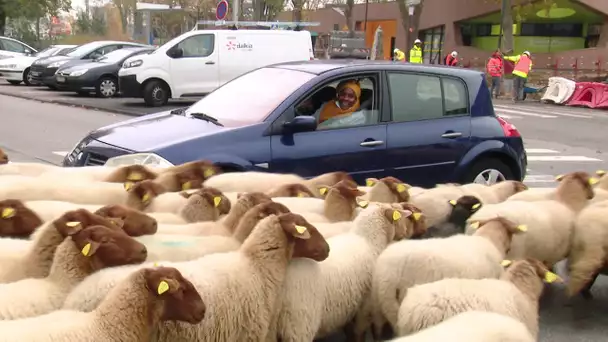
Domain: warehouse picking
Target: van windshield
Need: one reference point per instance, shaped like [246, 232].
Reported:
[252, 97]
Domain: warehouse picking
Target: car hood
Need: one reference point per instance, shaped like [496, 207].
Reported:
[80, 64]
[51, 59]
[151, 132]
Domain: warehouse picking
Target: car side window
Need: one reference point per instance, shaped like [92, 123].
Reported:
[201, 45]
[455, 96]
[330, 103]
[415, 97]
[12, 46]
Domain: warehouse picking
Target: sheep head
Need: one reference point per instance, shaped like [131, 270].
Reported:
[3, 157]
[17, 220]
[577, 181]
[180, 299]
[131, 174]
[254, 215]
[529, 267]
[189, 178]
[398, 222]
[467, 203]
[74, 221]
[134, 222]
[417, 220]
[106, 247]
[399, 188]
[143, 193]
[291, 190]
[309, 243]
[500, 230]
[251, 199]
[204, 169]
[215, 198]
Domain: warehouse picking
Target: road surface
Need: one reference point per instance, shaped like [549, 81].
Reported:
[558, 140]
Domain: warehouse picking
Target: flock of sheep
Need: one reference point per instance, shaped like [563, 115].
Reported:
[189, 253]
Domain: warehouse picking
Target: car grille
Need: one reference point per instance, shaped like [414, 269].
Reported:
[94, 159]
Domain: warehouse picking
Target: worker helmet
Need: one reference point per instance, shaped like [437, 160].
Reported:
[417, 41]
[454, 53]
[527, 53]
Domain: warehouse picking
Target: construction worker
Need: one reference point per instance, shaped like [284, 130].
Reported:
[416, 52]
[451, 60]
[495, 69]
[398, 55]
[523, 66]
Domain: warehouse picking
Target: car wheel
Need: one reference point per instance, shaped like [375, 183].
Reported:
[156, 94]
[106, 87]
[14, 82]
[27, 77]
[489, 171]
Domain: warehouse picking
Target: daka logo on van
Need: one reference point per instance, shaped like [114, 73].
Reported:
[233, 46]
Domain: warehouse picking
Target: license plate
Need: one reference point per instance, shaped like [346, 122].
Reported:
[35, 73]
[60, 79]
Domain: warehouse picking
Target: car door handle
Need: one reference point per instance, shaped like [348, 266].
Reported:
[451, 135]
[372, 143]
[210, 62]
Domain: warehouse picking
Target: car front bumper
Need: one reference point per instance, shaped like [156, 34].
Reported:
[129, 86]
[77, 84]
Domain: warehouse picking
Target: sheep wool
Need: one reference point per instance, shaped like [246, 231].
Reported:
[171, 247]
[131, 312]
[495, 193]
[27, 169]
[473, 326]
[49, 210]
[250, 181]
[121, 174]
[515, 294]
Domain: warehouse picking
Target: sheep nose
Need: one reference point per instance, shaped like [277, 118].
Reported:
[155, 225]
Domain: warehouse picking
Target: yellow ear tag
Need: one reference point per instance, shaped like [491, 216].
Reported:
[187, 186]
[417, 216]
[135, 176]
[363, 204]
[128, 185]
[475, 225]
[396, 215]
[452, 202]
[162, 287]
[505, 263]
[551, 277]
[323, 190]
[208, 173]
[593, 181]
[301, 229]
[216, 201]
[558, 178]
[146, 197]
[86, 249]
[301, 194]
[522, 228]
[369, 182]
[155, 264]
[8, 213]
[401, 188]
[72, 224]
[600, 172]
[475, 206]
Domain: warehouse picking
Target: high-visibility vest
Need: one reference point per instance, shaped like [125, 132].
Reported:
[416, 55]
[494, 67]
[523, 66]
[399, 55]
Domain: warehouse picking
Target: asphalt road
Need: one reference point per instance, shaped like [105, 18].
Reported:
[558, 140]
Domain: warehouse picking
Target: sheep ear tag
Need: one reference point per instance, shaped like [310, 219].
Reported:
[73, 224]
[551, 277]
[8, 213]
[475, 225]
[86, 249]
[452, 202]
[300, 194]
[600, 172]
[593, 181]
[208, 173]
[163, 287]
[522, 228]
[301, 229]
[369, 182]
[396, 215]
[417, 216]
[363, 204]
[187, 186]
[135, 176]
[559, 178]
[476, 206]
[216, 201]
[146, 197]
[505, 263]
[128, 185]
[401, 188]
[323, 190]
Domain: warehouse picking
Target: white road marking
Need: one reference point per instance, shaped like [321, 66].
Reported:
[539, 179]
[563, 158]
[518, 112]
[60, 153]
[536, 111]
[540, 150]
[505, 116]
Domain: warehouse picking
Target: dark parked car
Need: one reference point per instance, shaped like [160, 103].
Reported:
[43, 70]
[99, 75]
[423, 124]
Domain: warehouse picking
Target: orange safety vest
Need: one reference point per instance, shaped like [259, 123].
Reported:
[495, 67]
[522, 68]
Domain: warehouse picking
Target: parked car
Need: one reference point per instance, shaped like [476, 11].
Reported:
[43, 70]
[423, 124]
[10, 47]
[197, 62]
[99, 75]
[17, 69]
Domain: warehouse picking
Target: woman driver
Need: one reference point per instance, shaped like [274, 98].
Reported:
[348, 94]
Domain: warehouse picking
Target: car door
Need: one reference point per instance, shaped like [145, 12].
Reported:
[104, 50]
[196, 71]
[356, 149]
[430, 127]
[10, 48]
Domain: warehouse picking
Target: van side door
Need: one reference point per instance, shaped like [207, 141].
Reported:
[194, 65]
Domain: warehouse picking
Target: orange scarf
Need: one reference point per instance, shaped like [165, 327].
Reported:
[331, 109]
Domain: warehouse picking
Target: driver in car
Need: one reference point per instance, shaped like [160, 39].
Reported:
[347, 102]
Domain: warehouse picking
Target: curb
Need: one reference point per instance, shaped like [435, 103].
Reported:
[71, 104]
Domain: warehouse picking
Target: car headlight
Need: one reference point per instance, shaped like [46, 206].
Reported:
[148, 159]
[56, 64]
[132, 64]
[78, 72]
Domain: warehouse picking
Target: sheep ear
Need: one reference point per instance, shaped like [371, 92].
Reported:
[551, 277]
[167, 285]
[90, 248]
[184, 194]
[297, 231]
[395, 215]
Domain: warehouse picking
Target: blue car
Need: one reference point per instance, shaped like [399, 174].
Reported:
[422, 124]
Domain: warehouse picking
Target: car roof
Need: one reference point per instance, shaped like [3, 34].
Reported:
[319, 67]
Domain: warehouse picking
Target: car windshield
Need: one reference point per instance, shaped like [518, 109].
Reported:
[46, 52]
[84, 49]
[252, 97]
[115, 56]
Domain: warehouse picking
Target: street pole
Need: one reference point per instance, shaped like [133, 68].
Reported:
[503, 10]
[235, 11]
[365, 22]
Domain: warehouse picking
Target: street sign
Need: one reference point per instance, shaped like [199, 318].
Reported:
[221, 11]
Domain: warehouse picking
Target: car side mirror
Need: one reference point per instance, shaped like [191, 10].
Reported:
[301, 123]
[175, 52]
[28, 52]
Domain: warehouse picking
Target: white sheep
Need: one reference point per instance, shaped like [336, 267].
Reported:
[84, 251]
[26, 169]
[240, 286]
[515, 294]
[317, 299]
[406, 263]
[473, 326]
[131, 312]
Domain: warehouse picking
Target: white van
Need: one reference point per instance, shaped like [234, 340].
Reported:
[197, 62]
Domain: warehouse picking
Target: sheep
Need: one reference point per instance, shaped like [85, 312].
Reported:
[122, 174]
[417, 220]
[341, 282]
[26, 169]
[134, 222]
[84, 251]
[462, 209]
[406, 263]
[340, 203]
[551, 222]
[3, 157]
[434, 203]
[17, 220]
[515, 294]
[473, 326]
[240, 286]
[386, 190]
[495, 193]
[131, 312]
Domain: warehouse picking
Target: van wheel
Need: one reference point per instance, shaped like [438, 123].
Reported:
[156, 94]
[27, 77]
[488, 171]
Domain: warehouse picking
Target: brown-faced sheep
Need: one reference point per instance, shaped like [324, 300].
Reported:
[387, 190]
[3, 157]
